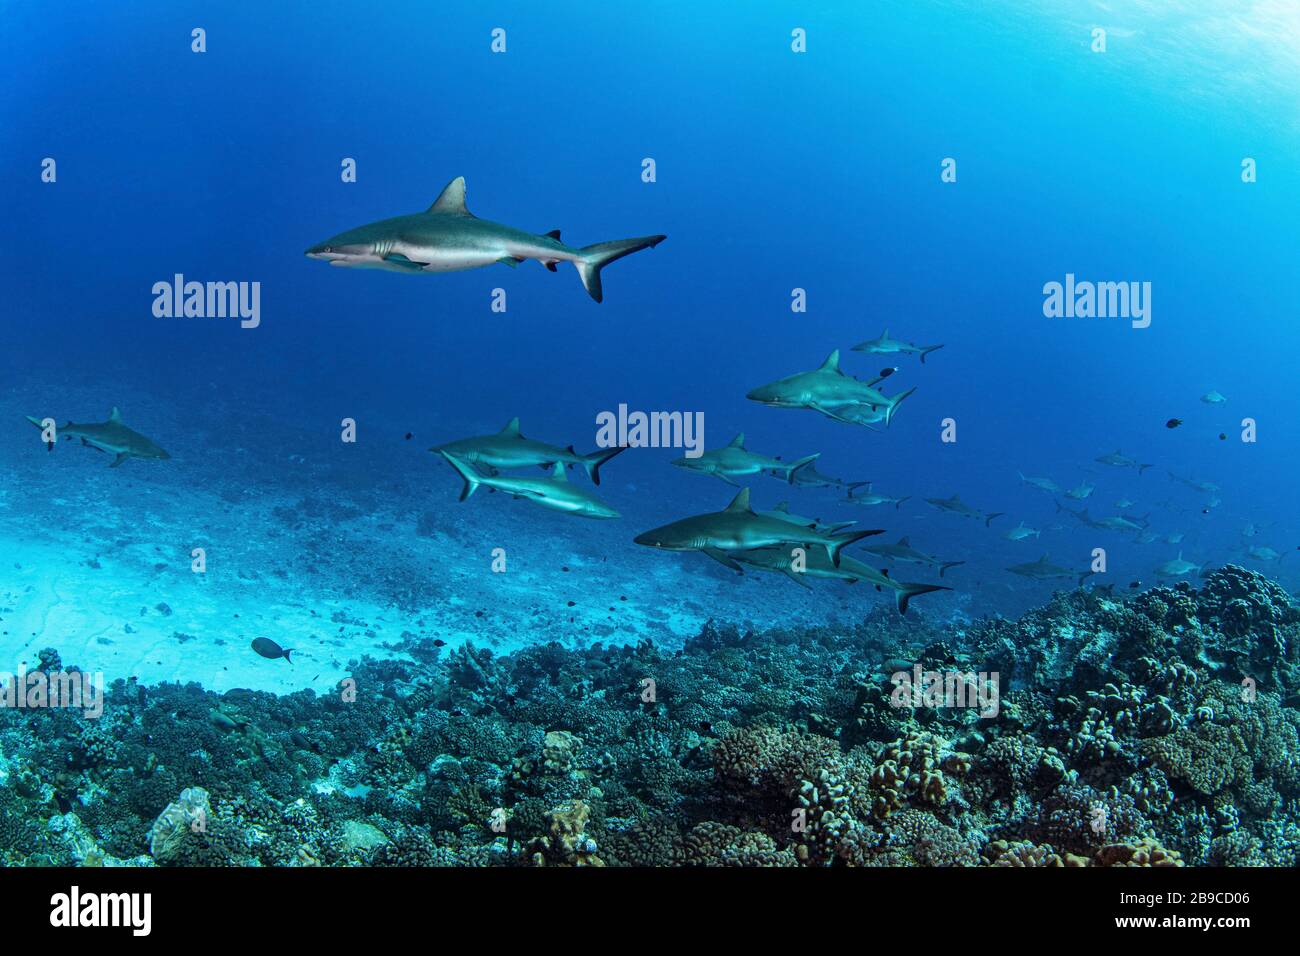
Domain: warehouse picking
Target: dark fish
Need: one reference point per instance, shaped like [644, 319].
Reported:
[1135, 584]
[302, 743]
[1173, 423]
[886, 372]
[1223, 436]
[224, 722]
[439, 642]
[269, 649]
[409, 436]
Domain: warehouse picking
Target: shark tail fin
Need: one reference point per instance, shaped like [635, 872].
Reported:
[854, 485]
[948, 564]
[591, 463]
[39, 424]
[899, 503]
[894, 403]
[989, 520]
[926, 350]
[472, 478]
[906, 592]
[594, 258]
[1142, 468]
[838, 541]
[794, 466]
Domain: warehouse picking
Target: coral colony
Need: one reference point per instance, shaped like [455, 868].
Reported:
[1124, 735]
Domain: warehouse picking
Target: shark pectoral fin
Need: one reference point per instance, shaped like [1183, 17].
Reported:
[118, 461]
[722, 558]
[798, 578]
[397, 260]
[724, 477]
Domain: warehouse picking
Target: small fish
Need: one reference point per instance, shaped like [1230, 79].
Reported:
[1223, 436]
[886, 372]
[439, 642]
[1213, 398]
[409, 436]
[1173, 423]
[1135, 584]
[1124, 503]
[271, 650]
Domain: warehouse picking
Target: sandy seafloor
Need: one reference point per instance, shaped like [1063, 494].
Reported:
[335, 551]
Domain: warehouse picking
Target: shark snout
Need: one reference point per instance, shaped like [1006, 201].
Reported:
[764, 393]
[323, 251]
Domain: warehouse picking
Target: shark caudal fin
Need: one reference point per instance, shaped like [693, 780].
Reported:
[472, 478]
[38, 423]
[927, 349]
[894, 403]
[794, 466]
[988, 520]
[899, 503]
[591, 463]
[944, 566]
[906, 592]
[838, 541]
[594, 258]
[1142, 468]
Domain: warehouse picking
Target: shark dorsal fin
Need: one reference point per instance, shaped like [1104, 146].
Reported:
[512, 429]
[451, 201]
[557, 473]
[904, 542]
[885, 334]
[115, 415]
[832, 363]
[554, 234]
[741, 502]
[738, 441]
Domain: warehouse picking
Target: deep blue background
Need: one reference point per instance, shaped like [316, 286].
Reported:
[775, 171]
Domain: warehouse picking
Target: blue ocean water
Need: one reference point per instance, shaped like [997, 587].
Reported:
[775, 171]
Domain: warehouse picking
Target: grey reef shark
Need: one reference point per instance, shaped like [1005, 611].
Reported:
[1044, 570]
[831, 392]
[955, 505]
[736, 461]
[738, 528]
[447, 237]
[815, 565]
[887, 346]
[111, 436]
[508, 449]
[554, 492]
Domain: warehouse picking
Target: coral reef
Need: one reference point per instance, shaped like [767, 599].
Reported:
[1160, 730]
